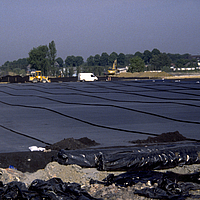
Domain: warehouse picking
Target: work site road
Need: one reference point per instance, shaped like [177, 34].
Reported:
[111, 113]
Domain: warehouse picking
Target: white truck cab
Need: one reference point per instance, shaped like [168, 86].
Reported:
[87, 77]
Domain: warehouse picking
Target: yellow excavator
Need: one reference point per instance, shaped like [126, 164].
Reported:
[36, 76]
[60, 74]
[113, 70]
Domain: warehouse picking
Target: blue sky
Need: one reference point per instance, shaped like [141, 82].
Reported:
[90, 27]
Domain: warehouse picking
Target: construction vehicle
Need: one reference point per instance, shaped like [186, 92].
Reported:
[61, 75]
[36, 76]
[113, 70]
[87, 77]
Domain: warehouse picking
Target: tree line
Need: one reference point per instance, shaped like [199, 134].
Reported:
[16, 67]
[45, 58]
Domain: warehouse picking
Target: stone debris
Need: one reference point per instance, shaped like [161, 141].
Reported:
[82, 176]
[69, 173]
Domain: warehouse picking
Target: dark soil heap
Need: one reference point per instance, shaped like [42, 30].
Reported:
[72, 144]
[164, 137]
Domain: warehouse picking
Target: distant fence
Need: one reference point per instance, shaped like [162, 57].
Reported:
[14, 79]
[100, 78]
[25, 79]
[64, 79]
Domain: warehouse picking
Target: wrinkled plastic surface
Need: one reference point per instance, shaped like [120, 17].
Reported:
[161, 185]
[52, 189]
[133, 158]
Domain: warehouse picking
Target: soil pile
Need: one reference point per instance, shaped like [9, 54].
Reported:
[147, 74]
[164, 137]
[72, 144]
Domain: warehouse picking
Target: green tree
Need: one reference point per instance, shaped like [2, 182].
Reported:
[138, 54]
[155, 63]
[159, 61]
[22, 72]
[78, 70]
[38, 58]
[87, 69]
[17, 70]
[90, 61]
[137, 64]
[121, 59]
[181, 63]
[59, 60]
[97, 60]
[104, 59]
[155, 52]
[128, 58]
[52, 53]
[174, 57]
[165, 60]
[147, 56]
[113, 56]
[78, 60]
[186, 56]
[15, 66]
[71, 71]
[70, 61]
[97, 70]
[20, 63]
[6, 64]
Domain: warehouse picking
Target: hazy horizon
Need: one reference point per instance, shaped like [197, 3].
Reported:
[89, 27]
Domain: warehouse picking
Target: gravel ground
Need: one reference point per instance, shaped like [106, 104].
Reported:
[75, 173]
[27, 168]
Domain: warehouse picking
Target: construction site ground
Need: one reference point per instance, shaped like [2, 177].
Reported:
[159, 75]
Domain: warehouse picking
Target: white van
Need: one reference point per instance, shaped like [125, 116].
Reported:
[87, 77]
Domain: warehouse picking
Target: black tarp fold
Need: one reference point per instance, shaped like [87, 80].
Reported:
[54, 189]
[133, 158]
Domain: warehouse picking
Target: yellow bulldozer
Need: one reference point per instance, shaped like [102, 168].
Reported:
[113, 70]
[36, 76]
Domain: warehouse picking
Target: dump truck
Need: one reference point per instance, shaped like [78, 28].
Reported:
[36, 76]
[87, 77]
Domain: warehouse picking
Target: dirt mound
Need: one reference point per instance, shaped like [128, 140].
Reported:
[147, 74]
[87, 142]
[72, 144]
[127, 74]
[164, 137]
[154, 74]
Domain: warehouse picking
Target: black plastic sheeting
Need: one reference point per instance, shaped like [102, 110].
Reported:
[133, 158]
[53, 189]
[163, 185]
